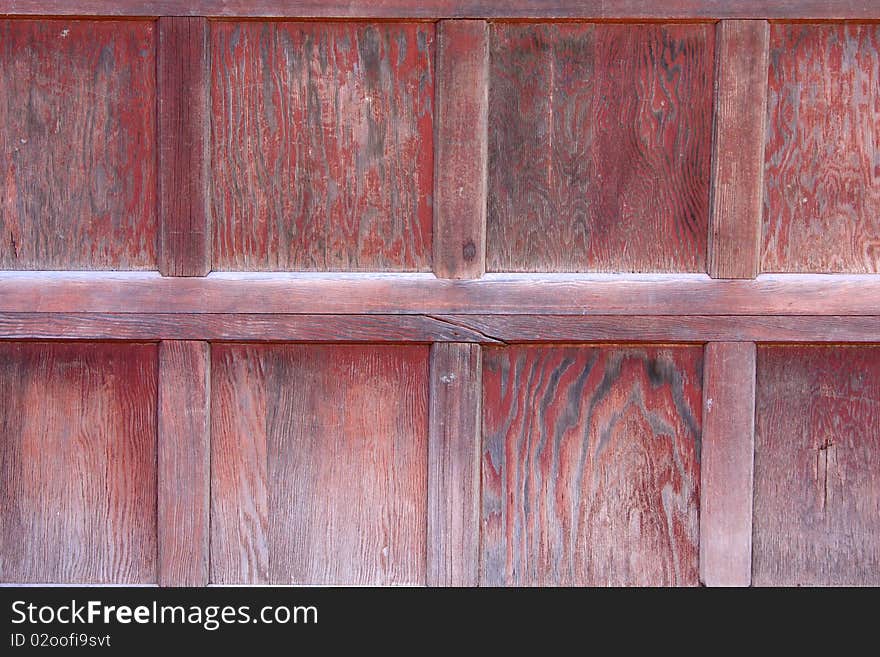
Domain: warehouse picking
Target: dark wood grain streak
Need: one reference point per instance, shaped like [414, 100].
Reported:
[727, 464]
[184, 463]
[454, 465]
[599, 147]
[817, 466]
[183, 146]
[348, 430]
[741, 59]
[78, 178]
[666, 328]
[590, 465]
[239, 466]
[822, 163]
[78, 463]
[322, 139]
[438, 9]
[524, 294]
[461, 144]
[234, 327]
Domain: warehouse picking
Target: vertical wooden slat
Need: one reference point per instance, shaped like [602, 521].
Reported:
[454, 465]
[183, 143]
[461, 149]
[184, 462]
[727, 464]
[741, 54]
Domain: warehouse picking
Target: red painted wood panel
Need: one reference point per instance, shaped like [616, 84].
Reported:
[78, 463]
[322, 142]
[344, 431]
[817, 466]
[77, 131]
[591, 465]
[599, 147]
[822, 158]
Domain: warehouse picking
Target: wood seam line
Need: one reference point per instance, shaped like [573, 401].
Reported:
[737, 187]
[454, 435]
[727, 463]
[668, 10]
[183, 116]
[461, 148]
[184, 463]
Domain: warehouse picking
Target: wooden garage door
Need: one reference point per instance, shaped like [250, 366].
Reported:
[445, 293]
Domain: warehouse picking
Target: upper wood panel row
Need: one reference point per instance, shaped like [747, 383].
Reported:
[321, 146]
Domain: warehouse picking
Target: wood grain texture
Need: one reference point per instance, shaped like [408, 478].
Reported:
[322, 138]
[822, 162]
[599, 147]
[461, 149]
[454, 465]
[664, 328]
[817, 466]
[183, 146]
[342, 458]
[77, 463]
[737, 192]
[78, 180]
[486, 329]
[727, 464]
[239, 466]
[414, 294]
[235, 327]
[434, 9]
[184, 463]
[590, 465]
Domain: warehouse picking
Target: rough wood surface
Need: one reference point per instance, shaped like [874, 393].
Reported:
[590, 465]
[235, 327]
[817, 466]
[77, 463]
[77, 131]
[663, 328]
[322, 138]
[184, 477]
[726, 464]
[822, 197]
[517, 294]
[239, 466]
[183, 146]
[454, 465]
[738, 148]
[333, 440]
[434, 9]
[599, 147]
[461, 149]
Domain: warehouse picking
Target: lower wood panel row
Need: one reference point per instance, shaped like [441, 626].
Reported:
[588, 467]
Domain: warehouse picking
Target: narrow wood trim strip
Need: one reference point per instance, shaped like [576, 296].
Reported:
[233, 327]
[485, 329]
[727, 464]
[504, 294]
[184, 463]
[454, 465]
[741, 55]
[461, 149]
[182, 65]
[437, 9]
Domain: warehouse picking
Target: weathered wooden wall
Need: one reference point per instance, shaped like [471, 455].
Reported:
[441, 293]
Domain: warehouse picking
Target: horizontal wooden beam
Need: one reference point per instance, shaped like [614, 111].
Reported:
[486, 329]
[416, 294]
[233, 327]
[437, 9]
[670, 328]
